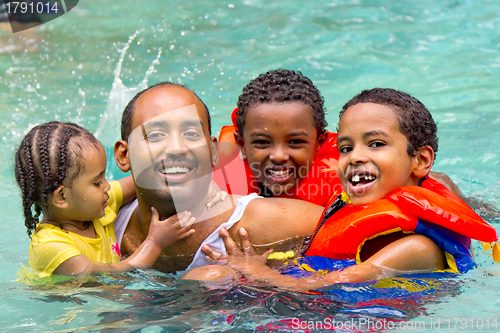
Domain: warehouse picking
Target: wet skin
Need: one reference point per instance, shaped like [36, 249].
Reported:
[268, 221]
[373, 158]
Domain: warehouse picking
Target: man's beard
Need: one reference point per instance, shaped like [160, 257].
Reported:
[169, 200]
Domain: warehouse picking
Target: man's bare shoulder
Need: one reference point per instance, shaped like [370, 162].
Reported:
[281, 207]
[277, 218]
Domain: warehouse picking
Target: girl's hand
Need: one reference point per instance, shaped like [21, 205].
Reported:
[167, 232]
[161, 234]
[215, 195]
[246, 262]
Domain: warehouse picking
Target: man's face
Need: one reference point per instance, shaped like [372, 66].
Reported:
[169, 155]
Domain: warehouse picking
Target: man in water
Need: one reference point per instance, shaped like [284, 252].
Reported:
[167, 145]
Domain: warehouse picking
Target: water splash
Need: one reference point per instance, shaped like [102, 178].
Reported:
[109, 128]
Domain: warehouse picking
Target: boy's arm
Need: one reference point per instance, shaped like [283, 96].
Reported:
[215, 195]
[128, 188]
[413, 253]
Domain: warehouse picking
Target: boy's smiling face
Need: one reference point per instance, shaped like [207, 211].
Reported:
[373, 153]
[280, 142]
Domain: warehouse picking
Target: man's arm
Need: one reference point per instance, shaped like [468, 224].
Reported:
[272, 220]
[273, 223]
[446, 181]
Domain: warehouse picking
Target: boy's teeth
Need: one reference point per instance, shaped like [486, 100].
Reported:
[176, 170]
[356, 178]
[278, 173]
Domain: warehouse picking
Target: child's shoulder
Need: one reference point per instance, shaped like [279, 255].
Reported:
[48, 233]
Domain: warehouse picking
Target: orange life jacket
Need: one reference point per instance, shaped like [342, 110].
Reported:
[320, 184]
[431, 210]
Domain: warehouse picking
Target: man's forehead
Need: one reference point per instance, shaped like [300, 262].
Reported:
[186, 116]
[164, 99]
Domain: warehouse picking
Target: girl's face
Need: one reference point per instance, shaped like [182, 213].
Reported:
[88, 195]
[279, 142]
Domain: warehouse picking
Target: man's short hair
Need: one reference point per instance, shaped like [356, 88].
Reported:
[129, 109]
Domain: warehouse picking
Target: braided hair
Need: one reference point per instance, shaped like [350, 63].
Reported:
[49, 155]
[282, 86]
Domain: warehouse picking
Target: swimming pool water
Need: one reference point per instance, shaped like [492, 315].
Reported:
[445, 53]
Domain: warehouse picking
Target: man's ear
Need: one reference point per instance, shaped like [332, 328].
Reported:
[241, 144]
[424, 160]
[122, 157]
[57, 198]
[214, 149]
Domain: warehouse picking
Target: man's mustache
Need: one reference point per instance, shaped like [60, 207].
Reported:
[183, 161]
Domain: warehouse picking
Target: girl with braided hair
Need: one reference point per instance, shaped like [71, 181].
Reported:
[60, 168]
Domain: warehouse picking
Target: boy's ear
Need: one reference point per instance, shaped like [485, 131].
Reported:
[424, 161]
[214, 149]
[241, 144]
[57, 198]
[122, 157]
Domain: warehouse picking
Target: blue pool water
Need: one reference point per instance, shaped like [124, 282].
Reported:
[445, 53]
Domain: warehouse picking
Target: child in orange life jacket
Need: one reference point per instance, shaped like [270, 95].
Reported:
[281, 133]
[387, 141]
[280, 129]
[60, 169]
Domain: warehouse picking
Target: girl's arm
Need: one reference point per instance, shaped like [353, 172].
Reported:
[413, 253]
[161, 234]
[128, 188]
